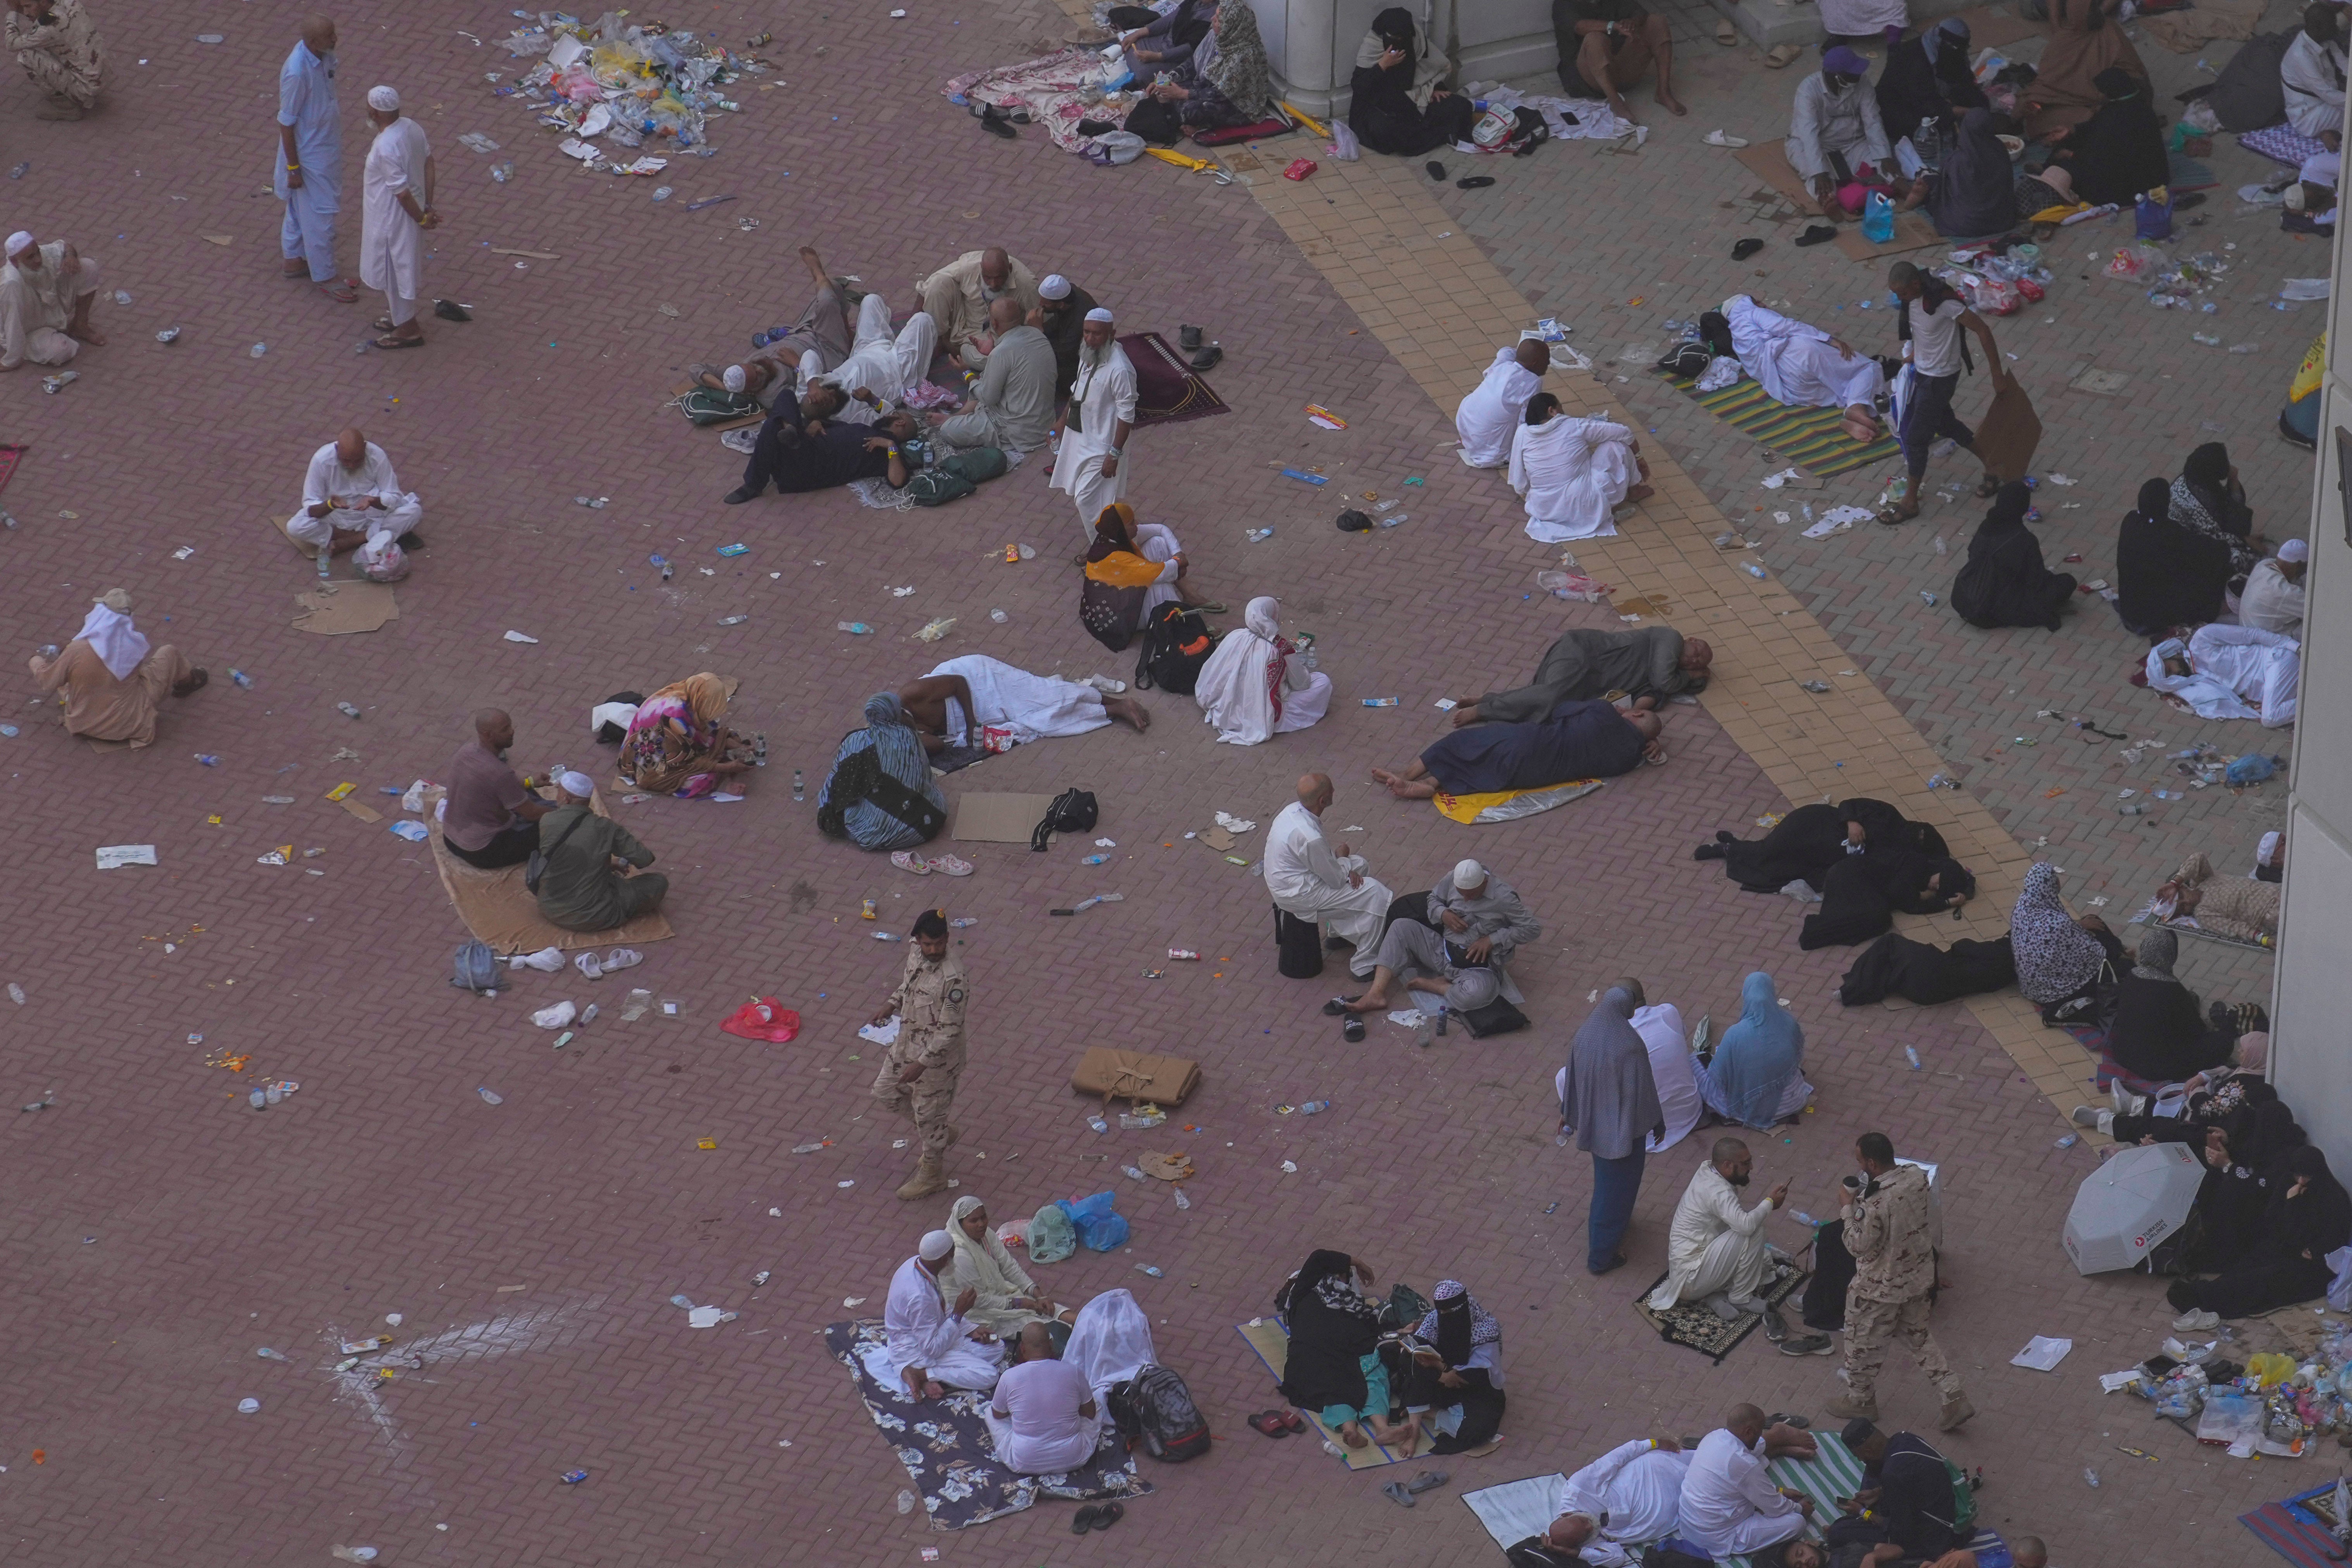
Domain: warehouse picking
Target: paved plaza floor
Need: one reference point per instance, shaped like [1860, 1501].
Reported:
[157, 1231]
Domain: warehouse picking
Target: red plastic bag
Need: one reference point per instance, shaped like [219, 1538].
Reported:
[1300, 169]
[766, 1019]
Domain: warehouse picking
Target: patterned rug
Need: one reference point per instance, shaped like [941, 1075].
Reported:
[2105, 1069]
[945, 1445]
[2280, 144]
[1696, 1326]
[2297, 1527]
[1811, 438]
[1049, 88]
[1167, 392]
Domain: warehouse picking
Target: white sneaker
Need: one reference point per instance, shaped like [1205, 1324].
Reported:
[586, 965]
[2194, 1322]
[623, 958]
[547, 960]
[1725, 138]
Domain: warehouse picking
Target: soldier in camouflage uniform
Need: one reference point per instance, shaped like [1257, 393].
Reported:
[918, 1076]
[1890, 1228]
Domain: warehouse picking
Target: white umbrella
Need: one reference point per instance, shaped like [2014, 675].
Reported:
[2129, 1205]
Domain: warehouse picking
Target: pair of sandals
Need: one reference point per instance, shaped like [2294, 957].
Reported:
[1403, 1493]
[1278, 1423]
[924, 865]
[1354, 1030]
[1097, 1516]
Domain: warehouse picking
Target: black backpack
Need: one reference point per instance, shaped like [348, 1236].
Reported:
[1155, 1409]
[1176, 644]
[1073, 810]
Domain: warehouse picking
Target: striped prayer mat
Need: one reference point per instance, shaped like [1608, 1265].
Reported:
[2296, 1528]
[1812, 438]
[1836, 1473]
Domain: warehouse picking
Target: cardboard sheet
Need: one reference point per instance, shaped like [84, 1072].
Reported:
[1267, 1337]
[1769, 161]
[2010, 432]
[340, 608]
[502, 914]
[981, 817]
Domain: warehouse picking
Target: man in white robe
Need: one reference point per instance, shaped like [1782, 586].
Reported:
[395, 209]
[2230, 673]
[1804, 367]
[310, 173]
[1574, 472]
[349, 495]
[1660, 1028]
[1729, 1505]
[976, 700]
[1715, 1252]
[1090, 437]
[929, 1348]
[881, 366]
[2312, 73]
[1493, 412]
[1043, 1420]
[1637, 1487]
[1835, 131]
[1310, 879]
[45, 292]
[2274, 598]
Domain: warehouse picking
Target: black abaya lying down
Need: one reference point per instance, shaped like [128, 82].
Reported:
[1895, 965]
[1863, 893]
[1803, 845]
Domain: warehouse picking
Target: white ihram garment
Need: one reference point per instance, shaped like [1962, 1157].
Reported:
[1494, 409]
[1309, 881]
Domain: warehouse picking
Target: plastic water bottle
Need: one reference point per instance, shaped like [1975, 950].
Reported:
[2089, 1475]
[242, 679]
[1912, 1056]
[800, 786]
[1181, 1201]
[209, 759]
[490, 1097]
[1801, 1217]
[905, 1501]
[326, 560]
[1753, 569]
[1315, 1107]
[266, 1354]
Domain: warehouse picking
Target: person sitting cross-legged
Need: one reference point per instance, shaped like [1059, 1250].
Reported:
[1475, 922]
[1012, 405]
[1837, 144]
[1729, 1505]
[1043, 1419]
[1715, 1253]
[581, 890]
[929, 1345]
[114, 683]
[490, 819]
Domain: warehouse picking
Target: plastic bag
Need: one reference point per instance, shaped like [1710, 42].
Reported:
[2252, 768]
[1993, 297]
[2131, 265]
[2152, 214]
[1052, 1237]
[1099, 1226]
[2030, 292]
[1878, 218]
[2271, 1367]
[766, 1019]
[380, 560]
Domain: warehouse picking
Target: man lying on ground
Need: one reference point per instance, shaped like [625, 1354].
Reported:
[2230, 673]
[1579, 741]
[817, 344]
[1648, 666]
[1630, 1496]
[806, 444]
[980, 701]
[1804, 367]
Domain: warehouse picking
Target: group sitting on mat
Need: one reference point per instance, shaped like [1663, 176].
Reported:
[1393, 1371]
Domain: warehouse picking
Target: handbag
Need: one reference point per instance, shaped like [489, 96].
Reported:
[536, 867]
[712, 405]
[1073, 810]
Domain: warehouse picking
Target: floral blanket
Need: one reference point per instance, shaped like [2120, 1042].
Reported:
[1051, 89]
[946, 1447]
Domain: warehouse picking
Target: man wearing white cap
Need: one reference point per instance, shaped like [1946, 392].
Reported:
[882, 365]
[45, 297]
[929, 1347]
[1062, 307]
[1090, 437]
[817, 342]
[2273, 600]
[350, 496]
[1012, 405]
[395, 209]
[309, 176]
[1474, 923]
[113, 682]
[957, 298]
[579, 888]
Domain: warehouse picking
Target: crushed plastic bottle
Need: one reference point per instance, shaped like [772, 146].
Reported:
[997, 615]
[1315, 1107]
[1181, 1201]
[257, 351]
[661, 193]
[209, 759]
[502, 172]
[1134, 1171]
[1147, 1268]
[2089, 1475]
[1099, 1124]
[266, 1354]
[490, 1097]
[15, 994]
[353, 1554]
[905, 1501]
[347, 709]
[855, 628]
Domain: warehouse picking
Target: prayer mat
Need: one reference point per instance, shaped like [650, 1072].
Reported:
[2187, 31]
[2297, 1527]
[2105, 1069]
[1510, 805]
[1836, 1473]
[979, 817]
[2184, 174]
[2187, 928]
[1694, 1324]
[503, 914]
[946, 1447]
[1769, 161]
[1166, 390]
[1516, 1509]
[344, 607]
[1812, 438]
[1271, 1341]
[2280, 144]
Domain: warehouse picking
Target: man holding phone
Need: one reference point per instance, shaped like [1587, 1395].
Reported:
[1889, 1218]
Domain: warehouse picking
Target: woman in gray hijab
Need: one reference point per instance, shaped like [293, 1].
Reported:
[2159, 1036]
[1609, 1100]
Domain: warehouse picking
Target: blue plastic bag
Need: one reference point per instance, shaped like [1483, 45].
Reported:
[1100, 1226]
[2252, 768]
[1878, 218]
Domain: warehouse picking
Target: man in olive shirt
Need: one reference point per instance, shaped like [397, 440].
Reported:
[580, 889]
[490, 819]
[1012, 405]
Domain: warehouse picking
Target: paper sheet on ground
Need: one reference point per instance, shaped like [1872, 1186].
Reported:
[981, 817]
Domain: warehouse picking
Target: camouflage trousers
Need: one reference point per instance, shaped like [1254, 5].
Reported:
[929, 1101]
[1869, 1325]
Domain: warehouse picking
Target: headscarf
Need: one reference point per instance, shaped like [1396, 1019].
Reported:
[1760, 1055]
[887, 745]
[2118, 152]
[2157, 951]
[120, 646]
[984, 1264]
[2114, 84]
[1332, 1327]
[2319, 1221]
[1610, 1097]
[1113, 558]
[2055, 957]
[1457, 1325]
[2254, 1050]
[1950, 31]
[2009, 505]
[1974, 193]
[1397, 29]
[705, 695]
[1239, 72]
[1239, 688]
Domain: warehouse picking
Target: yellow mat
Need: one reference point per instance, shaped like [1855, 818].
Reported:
[1272, 1343]
[1510, 805]
[503, 915]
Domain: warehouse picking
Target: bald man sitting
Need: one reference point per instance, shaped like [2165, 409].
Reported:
[1729, 1505]
[1042, 1418]
[1495, 406]
[350, 476]
[959, 294]
[490, 819]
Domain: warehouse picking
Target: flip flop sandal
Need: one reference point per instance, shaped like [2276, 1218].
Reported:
[1426, 1480]
[907, 860]
[951, 866]
[1269, 1422]
[1746, 249]
[1781, 55]
[1396, 1493]
[1819, 234]
[335, 290]
[1295, 1421]
[1000, 128]
[1208, 358]
[1888, 517]
[1473, 183]
[389, 341]
[1110, 1514]
[1436, 170]
[1335, 1008]
[382, 323]
[1084, 1519]
[1724, 139]
[1352, 1031]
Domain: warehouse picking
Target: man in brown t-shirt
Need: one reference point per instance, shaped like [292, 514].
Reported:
[491, 819]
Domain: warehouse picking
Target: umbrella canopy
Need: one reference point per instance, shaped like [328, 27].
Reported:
[2130, 1204]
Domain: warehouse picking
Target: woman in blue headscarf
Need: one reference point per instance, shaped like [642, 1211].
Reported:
[879, 795]
[1757, 1075]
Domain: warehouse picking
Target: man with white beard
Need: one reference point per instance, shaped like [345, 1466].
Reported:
[1091, 438]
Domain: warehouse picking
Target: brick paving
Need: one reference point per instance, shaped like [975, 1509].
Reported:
[159, 1231]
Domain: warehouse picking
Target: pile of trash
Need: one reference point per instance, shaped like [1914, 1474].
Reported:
[1997, 283]
[2272, 1402]
[628, 85]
